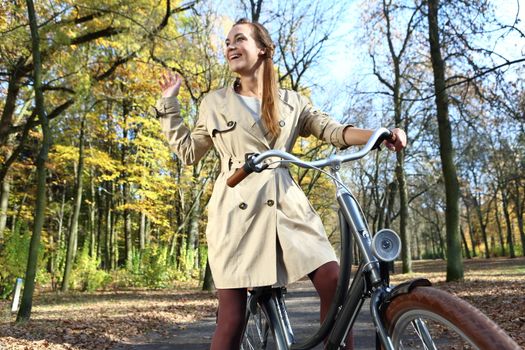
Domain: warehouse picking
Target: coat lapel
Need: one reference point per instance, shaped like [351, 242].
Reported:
[234, 109]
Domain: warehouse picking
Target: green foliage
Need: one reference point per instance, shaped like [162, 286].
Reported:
[149, 268]
[86, 275]
[154, 272]
[13, 260]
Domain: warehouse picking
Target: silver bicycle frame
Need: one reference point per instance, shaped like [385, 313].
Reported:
[367, 280]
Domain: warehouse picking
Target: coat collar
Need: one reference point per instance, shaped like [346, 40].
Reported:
[233, 108]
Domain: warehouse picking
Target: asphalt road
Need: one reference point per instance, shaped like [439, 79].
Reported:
[303, 309]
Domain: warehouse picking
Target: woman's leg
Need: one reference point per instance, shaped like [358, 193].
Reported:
[325, 282]
[230, 319]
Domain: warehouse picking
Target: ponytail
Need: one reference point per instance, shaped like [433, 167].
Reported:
[270, 95]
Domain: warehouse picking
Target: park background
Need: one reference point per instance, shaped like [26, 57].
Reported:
[92, 199]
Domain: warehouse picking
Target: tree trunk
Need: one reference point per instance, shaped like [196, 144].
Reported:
[93, 242]
[127, 227]
[128, 240]
[382, 209]
[442, 247]
[472, 232]
[454, 259]
[485, 241]
[10, 100]
[4, 202]
[392, 190]
[467, 251]
[77, 193]
[418, 245]
[193, 227]
[60, 239]
[142, 232]
[482, 225]
[24, 313]
[508, 222]
[109, 231]
[208, 279]
[500, 230]
[433, 244]
[101, 240]
[403, 217]
[518, 208]
[113, 236]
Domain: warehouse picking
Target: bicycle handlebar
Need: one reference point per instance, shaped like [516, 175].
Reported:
[253, 163]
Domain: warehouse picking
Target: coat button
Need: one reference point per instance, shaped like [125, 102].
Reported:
[281, 123]
[230, 123]
[270, 202]
[243, 205]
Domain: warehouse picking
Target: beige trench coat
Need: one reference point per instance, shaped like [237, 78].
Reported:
[263, 231]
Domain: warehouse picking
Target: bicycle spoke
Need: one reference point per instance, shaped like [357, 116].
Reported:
[256, 332]
[422, 331]
[430, 332]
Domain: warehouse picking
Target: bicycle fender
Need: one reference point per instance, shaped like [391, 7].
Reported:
[405, 288]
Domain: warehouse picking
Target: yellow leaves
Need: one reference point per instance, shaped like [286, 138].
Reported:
[109, 168]
[63, 154]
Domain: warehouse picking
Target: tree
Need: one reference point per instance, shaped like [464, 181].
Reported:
[394, 85]
[27, 298]
[77, 192]
[454, 259]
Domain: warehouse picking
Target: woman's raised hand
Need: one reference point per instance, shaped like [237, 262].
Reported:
[170, 84]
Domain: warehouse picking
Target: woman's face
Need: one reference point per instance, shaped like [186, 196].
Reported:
[242, 53]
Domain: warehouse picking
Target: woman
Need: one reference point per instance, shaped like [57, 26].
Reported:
[263, 231]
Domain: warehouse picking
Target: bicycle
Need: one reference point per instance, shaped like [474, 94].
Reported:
[411, 315]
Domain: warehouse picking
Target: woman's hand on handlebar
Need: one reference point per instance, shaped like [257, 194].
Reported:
[170, 84]
[397, 141]
[356, 136]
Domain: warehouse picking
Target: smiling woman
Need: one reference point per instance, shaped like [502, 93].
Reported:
[254, 229]
[245, 57]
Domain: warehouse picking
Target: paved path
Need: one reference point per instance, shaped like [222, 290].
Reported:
[303, 309]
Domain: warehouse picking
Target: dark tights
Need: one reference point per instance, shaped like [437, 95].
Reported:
[232, 307]
[325, 282]
[230, 319]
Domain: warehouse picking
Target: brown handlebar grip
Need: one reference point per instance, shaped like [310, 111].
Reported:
[239, 175]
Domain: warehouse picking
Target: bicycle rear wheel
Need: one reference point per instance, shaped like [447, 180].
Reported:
[429, 318]
[257, 330]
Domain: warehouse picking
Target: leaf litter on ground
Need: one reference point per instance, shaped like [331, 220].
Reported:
[101, 320]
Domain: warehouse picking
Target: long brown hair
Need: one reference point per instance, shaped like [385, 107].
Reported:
[270, 97]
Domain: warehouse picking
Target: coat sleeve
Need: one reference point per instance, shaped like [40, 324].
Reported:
[189, 146]
[314, 122]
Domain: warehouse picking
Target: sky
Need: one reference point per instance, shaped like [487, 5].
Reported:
[348, 61]
[341, 66]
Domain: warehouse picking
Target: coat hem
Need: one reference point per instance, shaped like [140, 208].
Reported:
[275, 283]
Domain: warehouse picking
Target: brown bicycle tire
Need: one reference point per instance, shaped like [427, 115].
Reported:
[482, 331]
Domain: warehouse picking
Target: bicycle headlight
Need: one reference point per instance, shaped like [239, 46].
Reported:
[386, 245]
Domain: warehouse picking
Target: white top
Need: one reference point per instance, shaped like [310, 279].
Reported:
[254, 106]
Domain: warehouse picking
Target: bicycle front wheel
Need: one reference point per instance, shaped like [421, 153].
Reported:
[429, 318]
[257, 330]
